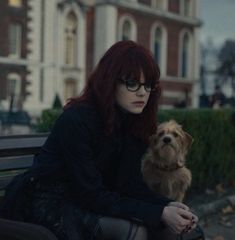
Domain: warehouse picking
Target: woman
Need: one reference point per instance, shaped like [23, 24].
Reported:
[86, 181]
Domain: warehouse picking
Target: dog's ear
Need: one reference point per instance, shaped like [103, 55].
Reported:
[188, 140]
[152, 140]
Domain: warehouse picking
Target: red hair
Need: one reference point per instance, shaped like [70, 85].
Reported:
[124, 58]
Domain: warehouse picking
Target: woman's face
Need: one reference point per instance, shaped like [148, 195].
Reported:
[132, 101]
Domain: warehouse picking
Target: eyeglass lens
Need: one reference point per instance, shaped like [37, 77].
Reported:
[133, 85]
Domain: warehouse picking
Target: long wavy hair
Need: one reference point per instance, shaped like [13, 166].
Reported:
[124, 58]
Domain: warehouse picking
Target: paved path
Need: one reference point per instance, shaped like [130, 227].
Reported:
[217, 217]
[219, 226]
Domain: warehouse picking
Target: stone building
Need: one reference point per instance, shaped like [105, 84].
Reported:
[64, 39]
[13, 53]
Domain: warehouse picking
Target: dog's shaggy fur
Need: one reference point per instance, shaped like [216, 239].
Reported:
[163, 166]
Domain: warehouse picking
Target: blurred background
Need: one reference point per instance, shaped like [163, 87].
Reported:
[49, 48]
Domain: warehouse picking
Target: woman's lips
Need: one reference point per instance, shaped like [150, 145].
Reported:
[138, 103]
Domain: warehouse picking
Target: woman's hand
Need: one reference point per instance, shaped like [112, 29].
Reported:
[185, 207]
[178, 218]
[179, 205]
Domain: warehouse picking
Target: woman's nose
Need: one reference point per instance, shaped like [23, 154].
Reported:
[141, 91]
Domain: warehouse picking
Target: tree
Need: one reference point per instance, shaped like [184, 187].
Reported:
[57, 102]
[226, 69]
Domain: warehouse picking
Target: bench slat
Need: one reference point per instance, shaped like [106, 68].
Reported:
[17, 162]
[21, 145]
[16, 155]
[6, 179]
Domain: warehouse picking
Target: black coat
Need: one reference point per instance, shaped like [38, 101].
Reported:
[102, 174]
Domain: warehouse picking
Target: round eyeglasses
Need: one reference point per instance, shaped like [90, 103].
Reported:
[134, 85]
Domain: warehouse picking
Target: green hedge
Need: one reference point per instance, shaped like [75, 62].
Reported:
[212, 155]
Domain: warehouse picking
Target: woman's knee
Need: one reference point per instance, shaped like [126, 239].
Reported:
[120, 229]
[141, 233]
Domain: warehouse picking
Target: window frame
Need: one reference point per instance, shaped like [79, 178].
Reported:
[133, 30]
[15, 49]
[163, 48]
[71, 37]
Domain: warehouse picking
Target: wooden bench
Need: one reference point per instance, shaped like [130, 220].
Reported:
[16, 155]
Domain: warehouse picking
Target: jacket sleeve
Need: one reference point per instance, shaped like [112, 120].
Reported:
[131, 183]
[75, 130]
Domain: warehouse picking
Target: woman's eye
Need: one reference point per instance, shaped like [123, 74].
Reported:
[131, 83]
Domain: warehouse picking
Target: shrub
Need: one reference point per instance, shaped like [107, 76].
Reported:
[211, 157]
[47, 119]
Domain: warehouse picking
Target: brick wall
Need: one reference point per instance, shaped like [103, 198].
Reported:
[144, 22]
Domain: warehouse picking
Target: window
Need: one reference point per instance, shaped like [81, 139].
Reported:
[71, 39]
[15, 32]
[185, 56]
[70, 88]
[186, 7]
[158, 4]
[15, 3]
[127, 28]
[14, 89]
[158, 45]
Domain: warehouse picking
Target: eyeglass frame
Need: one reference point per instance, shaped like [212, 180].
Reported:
[124, 81]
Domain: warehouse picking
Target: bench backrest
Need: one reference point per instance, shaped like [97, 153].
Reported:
[16, 155]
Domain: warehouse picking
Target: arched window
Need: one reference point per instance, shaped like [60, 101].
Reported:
[127, 28]
[14, 83]
[158, 45]
[71, 39]
[185, 56]
[70, 89]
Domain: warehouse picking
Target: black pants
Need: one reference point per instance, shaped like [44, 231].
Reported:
[48, 207]
[13, 230]
[106, 228]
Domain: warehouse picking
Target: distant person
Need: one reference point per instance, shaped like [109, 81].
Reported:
[217, 99]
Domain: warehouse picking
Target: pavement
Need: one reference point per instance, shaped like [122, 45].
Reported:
[216, 212]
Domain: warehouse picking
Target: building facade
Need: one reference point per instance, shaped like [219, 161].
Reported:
[66, 38]
[13, 53]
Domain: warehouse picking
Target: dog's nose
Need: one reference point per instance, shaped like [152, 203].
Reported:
[166, 139]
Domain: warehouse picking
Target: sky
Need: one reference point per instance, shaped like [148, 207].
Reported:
[218, 18]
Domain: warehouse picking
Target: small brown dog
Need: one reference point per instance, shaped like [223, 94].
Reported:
[163, 166]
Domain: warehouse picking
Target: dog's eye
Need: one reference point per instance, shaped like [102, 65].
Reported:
[175, 134]
[161, 134]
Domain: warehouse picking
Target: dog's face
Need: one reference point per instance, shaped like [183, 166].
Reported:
[170, 143]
